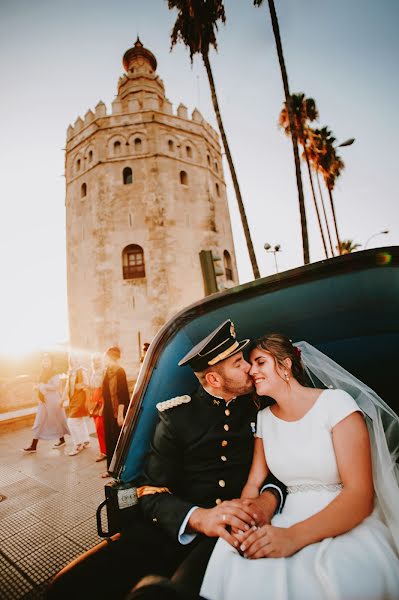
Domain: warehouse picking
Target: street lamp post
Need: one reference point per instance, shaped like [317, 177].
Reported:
[374, 235]
[347, 142]
[277, 248]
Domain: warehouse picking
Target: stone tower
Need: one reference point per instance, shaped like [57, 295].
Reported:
[145, 194]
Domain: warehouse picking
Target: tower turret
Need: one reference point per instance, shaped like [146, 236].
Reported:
[141, 81]
[137, 57]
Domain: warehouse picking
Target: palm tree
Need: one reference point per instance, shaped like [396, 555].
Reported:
[347, 246]
[331, 166]
[315, 149]
[196, 26]
[304, 111]
[326, 160]
[288, 100]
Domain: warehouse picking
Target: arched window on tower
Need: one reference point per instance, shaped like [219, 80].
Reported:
[78, 163]
[171, 146]
[133, 262]
[183, 178]
[138, 145]
[228, 268]
[83, 190]
[189, 151]
[117, 147]
[208, 158]
[90, 156]
[217, 189]
[216, 166]
[127, 176]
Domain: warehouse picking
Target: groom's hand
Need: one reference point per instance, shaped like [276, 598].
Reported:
[217, 521]
[263, 506]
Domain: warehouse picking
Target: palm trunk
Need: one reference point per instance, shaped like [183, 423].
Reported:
[325, 213]
[241, 208]
[314, 198]
[335, 219]
[276, 31]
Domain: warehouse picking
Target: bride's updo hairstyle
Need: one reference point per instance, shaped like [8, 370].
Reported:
[281, 347]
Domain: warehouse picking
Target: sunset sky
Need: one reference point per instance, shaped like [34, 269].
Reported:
[60, 58]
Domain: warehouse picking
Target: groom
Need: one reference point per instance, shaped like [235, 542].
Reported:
[197, 466]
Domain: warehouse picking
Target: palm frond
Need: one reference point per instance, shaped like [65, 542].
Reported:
[197, 24]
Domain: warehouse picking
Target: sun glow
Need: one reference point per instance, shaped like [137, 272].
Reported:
[27, 342]
[33, 315]
[31, 328]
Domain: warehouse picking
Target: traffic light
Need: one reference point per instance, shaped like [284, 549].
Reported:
[211, 270]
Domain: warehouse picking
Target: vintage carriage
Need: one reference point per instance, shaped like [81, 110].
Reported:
[346, 306]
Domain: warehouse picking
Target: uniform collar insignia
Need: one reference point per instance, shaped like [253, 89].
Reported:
[216, 401]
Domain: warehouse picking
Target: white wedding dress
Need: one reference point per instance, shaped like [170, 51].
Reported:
[359, 565]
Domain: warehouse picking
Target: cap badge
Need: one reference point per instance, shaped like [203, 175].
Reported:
[233, 331]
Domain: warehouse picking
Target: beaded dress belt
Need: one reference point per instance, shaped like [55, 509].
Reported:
[314, 487]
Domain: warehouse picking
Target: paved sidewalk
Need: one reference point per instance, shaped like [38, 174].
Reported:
[48, 515]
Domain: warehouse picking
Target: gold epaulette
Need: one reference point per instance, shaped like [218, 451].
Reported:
[161, 406]
[146, 490]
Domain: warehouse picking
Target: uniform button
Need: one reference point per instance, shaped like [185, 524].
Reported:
[227, 412]
[222, 482]
[155, 520]
[226, 427]
[218, 501]
[224, 458]
[224, 443]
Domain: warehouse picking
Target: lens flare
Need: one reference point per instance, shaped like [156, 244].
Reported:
[383, 258]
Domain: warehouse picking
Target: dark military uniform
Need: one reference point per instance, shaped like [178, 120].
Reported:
[201, 452]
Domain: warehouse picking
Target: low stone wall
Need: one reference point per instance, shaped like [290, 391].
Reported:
[11, 421]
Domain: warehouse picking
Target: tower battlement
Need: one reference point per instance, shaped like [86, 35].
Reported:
[149, 104]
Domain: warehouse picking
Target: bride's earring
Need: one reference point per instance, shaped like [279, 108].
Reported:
[286, 376]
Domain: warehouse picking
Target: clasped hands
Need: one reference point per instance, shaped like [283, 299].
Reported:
[245, 525]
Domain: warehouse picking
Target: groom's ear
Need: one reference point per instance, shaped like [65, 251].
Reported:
[213, 378]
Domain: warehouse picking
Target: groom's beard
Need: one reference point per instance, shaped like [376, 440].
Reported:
[238, 388]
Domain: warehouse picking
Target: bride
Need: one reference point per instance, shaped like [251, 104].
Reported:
[337, 537]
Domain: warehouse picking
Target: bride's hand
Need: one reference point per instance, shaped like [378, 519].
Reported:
[268, 541]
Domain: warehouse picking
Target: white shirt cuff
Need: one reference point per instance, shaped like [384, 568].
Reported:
[186, 538]
[271, 485]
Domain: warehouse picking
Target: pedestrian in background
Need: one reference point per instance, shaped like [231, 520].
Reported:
[75, 391]
[116, 401]
[50, 422]
[96, 401]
